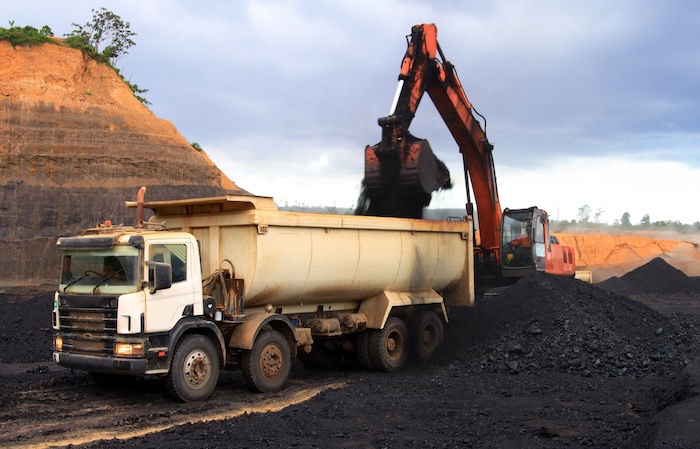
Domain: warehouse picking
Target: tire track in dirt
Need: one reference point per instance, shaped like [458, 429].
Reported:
[81, 426]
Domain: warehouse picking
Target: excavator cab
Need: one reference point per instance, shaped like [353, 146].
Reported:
[521, 241]
[527, 245]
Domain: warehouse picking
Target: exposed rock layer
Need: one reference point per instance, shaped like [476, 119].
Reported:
[74, 145]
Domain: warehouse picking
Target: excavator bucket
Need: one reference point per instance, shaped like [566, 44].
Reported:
[410, 168]
[399, 178]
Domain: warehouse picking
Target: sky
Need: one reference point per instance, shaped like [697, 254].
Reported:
[588, 103]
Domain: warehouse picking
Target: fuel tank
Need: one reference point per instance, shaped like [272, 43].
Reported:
[306, 259]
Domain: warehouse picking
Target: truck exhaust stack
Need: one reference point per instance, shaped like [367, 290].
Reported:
[139, 206]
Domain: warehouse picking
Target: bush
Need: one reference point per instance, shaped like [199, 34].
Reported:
[25, 36]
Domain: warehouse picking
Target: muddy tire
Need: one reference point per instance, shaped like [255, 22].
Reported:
[362, 348]
[427, 333]
[194, 370]
[266, 367]
[388, 347]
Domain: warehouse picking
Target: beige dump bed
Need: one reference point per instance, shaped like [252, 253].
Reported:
[306, 259]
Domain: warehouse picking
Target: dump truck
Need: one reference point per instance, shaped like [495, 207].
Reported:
[232, 282]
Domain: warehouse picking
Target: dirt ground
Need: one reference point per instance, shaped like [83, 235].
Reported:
[546, 363]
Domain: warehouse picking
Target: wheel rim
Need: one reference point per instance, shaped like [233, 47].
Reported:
[430, 337]
[197, 369]
[394, 345]
[271, 361]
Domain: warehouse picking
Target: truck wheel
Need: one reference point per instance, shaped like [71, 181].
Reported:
[362, 348]
[266, 367]
[194, 370]
[428, 333]
[388, 347]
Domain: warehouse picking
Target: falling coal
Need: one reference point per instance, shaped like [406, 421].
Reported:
[399, 180]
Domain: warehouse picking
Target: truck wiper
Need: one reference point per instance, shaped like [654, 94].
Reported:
[105, 279]
[74, 281]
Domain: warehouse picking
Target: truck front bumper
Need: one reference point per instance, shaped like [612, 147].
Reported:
[98, 364]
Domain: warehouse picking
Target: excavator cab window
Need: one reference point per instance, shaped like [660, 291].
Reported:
[517, 240]
[540, 238]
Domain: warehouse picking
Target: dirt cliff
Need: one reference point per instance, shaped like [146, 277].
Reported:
[615, 255]
[74, 145]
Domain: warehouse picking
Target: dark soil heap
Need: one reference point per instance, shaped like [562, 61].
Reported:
[553, 324]
[25, 326]
[655, 277]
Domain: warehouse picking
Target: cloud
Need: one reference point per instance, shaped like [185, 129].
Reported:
[568, 88]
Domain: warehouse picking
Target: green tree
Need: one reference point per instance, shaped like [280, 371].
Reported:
[646, 221]
[598, 217]
[106, 38]
[584, 213]
[625, 220]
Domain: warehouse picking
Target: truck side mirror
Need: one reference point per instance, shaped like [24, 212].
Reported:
[160, 275]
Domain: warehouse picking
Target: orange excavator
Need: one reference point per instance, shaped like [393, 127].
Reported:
[401, 171]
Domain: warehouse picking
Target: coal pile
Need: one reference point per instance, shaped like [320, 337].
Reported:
[547, 323]
[654, 278]
[25, 328]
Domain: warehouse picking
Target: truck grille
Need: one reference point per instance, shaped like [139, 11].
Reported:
[88, 323]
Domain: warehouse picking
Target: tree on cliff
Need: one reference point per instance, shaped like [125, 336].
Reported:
[106, 38]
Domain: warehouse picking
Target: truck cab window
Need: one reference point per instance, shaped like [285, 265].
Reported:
[174, 254]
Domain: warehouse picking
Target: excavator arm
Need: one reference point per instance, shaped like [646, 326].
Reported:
[401, 171]
[404, 168]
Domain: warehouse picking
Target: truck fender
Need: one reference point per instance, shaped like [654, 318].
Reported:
[202, 327]
[243, 337]
[379, 307]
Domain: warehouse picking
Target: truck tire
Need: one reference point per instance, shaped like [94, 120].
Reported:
[427, 334]
[362, 348]
[194, 370]
[388, 347]
[266, 367]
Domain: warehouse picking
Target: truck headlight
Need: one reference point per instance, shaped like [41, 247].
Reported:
[128, 349]
[58, 343]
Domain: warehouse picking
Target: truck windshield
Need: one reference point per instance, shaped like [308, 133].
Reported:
[108, 271]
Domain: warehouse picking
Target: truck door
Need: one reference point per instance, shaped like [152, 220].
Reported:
[164, 308]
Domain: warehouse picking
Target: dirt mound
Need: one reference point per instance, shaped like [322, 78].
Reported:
[74, 145]
[553, 324]
[615, 255]
[655, 277]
